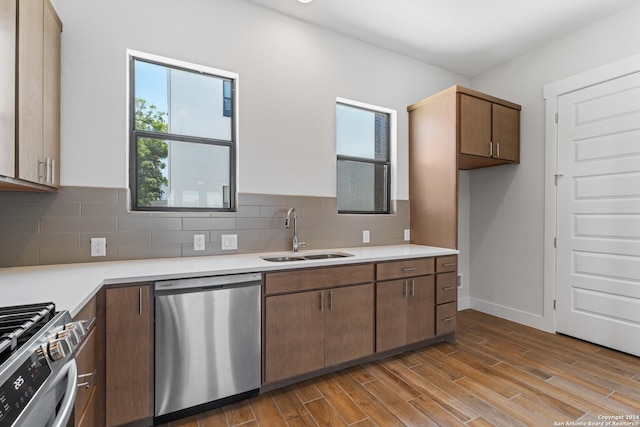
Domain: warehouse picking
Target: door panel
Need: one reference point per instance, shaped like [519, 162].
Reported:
[506, 133]
[598, 214]
[421, 316]
[348, 323]
[391, 314]
[294, 335]
[475, 126]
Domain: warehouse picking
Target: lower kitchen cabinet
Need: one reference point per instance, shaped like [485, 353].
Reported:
[129, 354]
[89, 370]
[404, 312]
[307, 331]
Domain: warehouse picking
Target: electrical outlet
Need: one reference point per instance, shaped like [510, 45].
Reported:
[407, 235]
[99, 246]
[229, 242]
[366, 237]
[459, 283]
[198, 242]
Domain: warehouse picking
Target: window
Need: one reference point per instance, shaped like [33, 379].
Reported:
[182, 136]
[363, 134]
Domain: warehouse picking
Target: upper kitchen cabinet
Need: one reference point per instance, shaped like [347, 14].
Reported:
[489, 132]
[457, 128]
[30, 111]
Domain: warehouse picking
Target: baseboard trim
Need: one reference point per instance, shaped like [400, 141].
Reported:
[529, 319]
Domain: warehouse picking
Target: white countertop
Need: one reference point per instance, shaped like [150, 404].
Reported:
[71, 286]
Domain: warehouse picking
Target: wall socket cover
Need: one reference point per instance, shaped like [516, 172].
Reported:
[229, 242]
[366, 236]
[407, 234]
[198, 242]
[99, 246]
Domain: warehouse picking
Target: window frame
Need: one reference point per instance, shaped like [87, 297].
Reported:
[134, 134]
[387, 162]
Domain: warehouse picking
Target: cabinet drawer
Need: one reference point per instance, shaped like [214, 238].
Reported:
[447, 263]
[317, 278]
[404, 268]
[446, 318]
[86, 361]
[87, 312]
[88, 417]
[446, 287]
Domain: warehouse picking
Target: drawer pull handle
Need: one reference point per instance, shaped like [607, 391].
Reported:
[404, 291]
[321, 301]
[448, 319]
[449, 264]
[449, 288]
[87, 384]
[408, 269]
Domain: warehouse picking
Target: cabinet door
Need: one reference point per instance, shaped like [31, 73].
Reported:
[475, 126]
[129, 354]
[420, 309]
[391, 314]
[348, 323]
[506, 133]
[7, 87]
[51, 106]
[294, 334]
[30, 89]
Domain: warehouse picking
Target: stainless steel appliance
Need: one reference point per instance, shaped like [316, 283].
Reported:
[38, 374]
[207, 337]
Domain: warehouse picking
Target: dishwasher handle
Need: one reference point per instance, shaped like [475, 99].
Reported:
[210, 282]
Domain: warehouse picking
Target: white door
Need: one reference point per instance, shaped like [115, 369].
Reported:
[598, 214]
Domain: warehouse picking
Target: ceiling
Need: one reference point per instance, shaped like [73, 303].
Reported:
[467, 37]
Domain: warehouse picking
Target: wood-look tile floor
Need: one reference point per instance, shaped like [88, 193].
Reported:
[498, 373]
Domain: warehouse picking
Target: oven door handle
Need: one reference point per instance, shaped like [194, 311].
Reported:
[70, 370]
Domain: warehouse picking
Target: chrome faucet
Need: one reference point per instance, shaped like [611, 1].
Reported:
[287, 224]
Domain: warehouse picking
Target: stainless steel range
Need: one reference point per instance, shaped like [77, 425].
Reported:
[38, 374]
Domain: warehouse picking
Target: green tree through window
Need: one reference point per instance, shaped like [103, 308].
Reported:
[151, 153]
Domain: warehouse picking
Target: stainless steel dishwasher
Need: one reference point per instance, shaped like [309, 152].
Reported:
[207, 347]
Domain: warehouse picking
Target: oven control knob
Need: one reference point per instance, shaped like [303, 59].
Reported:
[72, 336]
[59, 348]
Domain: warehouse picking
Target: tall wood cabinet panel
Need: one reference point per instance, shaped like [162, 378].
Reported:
[31, 112]
[455, 129]
[433, 171]
[129, 354]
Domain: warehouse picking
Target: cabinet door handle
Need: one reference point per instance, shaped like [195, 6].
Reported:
[330, 301]
[408, 269]
[140, 301]
[42, 166]
[87, 384]
[491, 149]
[321, 301]
[413, 288]
[449, 288]
[497, 149]
[53, 171]
[404, 290]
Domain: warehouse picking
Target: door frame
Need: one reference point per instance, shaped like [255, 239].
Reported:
[551, 93]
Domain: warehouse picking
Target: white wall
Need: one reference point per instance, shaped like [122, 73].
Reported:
[290, 75]
[507, 202]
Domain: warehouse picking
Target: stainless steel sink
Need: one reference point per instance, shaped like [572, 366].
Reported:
[324, 255]
[283, 258]
[327, 255]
